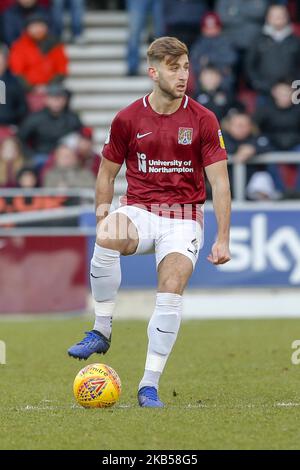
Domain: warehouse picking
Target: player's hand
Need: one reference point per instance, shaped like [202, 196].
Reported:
[220, 253]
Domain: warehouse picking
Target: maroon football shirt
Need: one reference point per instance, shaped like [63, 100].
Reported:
[165, 154]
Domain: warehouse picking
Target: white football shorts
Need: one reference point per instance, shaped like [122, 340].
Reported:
[162, 235]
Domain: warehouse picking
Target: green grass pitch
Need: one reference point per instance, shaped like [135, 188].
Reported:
[228, 385]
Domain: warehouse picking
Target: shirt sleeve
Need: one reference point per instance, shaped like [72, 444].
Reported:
[116, 145]
[212, 142]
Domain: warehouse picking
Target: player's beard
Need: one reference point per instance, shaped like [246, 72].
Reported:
[170, 92]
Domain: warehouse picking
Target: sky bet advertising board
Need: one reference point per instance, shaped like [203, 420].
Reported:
[265, 250]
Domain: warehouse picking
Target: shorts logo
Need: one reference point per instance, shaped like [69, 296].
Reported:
[142, 162]
[185, 135]
[222, 144]
[194, 248]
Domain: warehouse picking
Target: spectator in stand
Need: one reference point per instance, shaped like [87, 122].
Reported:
[242, 139]
[14, 18]
[4, 4]
[83, 144]
[67, 171]
[41, 131]
[77, 8]
[27, 178]
[275, 55]
[242, 20]
[15, 108]
[243, 142]
[89, 159]
[138, 11]
[37, 57]
[11, 161]
[213, 48]
[279, 120]
[182, 18]
[211, 93]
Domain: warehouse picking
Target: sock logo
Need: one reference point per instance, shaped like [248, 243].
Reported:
[97, 277]
[162, 331]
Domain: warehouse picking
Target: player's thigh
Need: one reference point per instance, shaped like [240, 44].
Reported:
[146, 227]
[176, 250]
[118, 232]
[129, 229]
[174, 272]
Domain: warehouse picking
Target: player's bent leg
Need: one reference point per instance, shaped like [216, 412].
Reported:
[173, 274]
[105, 277]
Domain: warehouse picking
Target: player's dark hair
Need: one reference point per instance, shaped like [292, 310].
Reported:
[168, 48]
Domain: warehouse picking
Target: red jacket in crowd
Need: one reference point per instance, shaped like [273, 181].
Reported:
[35, 67]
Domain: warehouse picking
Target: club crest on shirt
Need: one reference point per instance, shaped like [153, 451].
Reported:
[185, 135]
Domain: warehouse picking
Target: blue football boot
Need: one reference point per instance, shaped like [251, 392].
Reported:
[148, 398]
[93, 342]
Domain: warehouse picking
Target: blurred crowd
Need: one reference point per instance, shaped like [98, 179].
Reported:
[245, 57]
[244, 54]
[42, 140]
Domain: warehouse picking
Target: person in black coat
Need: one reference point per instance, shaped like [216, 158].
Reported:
[279, 120]
[14, 109]
[41, 131]
[243, 141]
[212, 93]
[275, 55]
[14, 18]
[212, 47]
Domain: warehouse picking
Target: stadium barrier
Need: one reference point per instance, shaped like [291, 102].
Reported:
[240, 169]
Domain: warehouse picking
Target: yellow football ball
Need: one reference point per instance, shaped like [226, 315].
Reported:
[97, 386]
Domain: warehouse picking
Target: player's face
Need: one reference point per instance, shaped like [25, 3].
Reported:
[171, 78]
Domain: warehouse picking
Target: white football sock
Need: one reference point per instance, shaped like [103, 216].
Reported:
[162, 333]
[105, 281]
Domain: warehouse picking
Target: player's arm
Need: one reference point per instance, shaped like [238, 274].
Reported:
[105, 187]
[217, 175]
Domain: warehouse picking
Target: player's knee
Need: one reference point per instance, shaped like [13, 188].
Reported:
[129, 247]
[124, 246]
[171, 284]
[106, 243]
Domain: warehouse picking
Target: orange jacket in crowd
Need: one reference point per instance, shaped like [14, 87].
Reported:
[35, 67]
